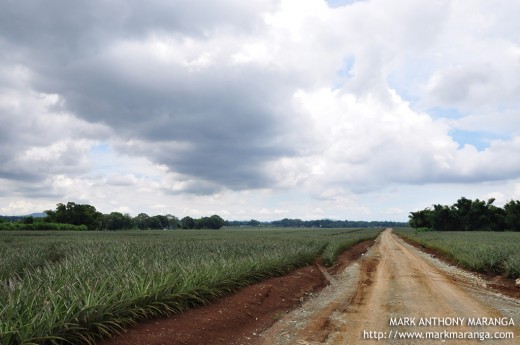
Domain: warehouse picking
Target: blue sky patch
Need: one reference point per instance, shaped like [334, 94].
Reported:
[339, 3]
[345, 72]
[100, 148]
[103, 157]
[480, 140]
[447, 113]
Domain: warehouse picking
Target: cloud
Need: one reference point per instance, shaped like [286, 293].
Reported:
[37, 137]
[214, 107]
[198, 99]
[24, 207]
[359, 146]
[228, 120]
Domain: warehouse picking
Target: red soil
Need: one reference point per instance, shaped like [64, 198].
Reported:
[240, 317]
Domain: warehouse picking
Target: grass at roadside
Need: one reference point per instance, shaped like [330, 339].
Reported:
[75, 287]
[497, 252]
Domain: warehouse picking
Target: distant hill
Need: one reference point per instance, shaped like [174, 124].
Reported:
[16, 218]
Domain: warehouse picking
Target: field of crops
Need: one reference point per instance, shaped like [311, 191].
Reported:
[497, 252]
[59, 287]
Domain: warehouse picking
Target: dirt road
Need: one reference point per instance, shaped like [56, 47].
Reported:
[396, 289]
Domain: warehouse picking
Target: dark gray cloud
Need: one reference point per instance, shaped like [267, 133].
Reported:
[229, 118]
[65, 29]
[35, 190]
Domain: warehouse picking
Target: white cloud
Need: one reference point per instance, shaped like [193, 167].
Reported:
[350, 140]
[264, 108]
[25, 207]
[37, 136]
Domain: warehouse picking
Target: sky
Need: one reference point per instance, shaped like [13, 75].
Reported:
[260, 109]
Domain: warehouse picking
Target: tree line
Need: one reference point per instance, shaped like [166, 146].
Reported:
[74, 216]
[320, 223]
[468, 215]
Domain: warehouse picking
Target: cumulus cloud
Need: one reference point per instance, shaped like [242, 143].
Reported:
[210, 99]
[38, 138]
[359, 145]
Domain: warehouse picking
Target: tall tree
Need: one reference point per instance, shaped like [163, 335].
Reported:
[142, 221]
[187, 223]
[420, 219]
[512, 215]
[76, 214]
[116, 221]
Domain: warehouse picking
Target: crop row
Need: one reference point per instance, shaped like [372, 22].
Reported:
[76, 288]
[497, 252]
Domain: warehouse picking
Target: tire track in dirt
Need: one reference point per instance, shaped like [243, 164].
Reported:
[394, 280]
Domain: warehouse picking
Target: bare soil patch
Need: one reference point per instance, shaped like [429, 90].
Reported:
[242, 316]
